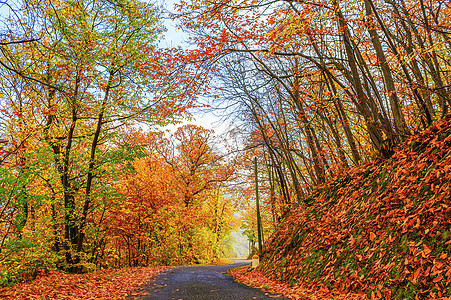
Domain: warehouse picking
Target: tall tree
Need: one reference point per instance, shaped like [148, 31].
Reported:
[93, 67]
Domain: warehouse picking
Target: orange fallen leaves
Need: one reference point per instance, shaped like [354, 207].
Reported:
[426, 251]
[105, 284]
[256, 278]
[371, 230]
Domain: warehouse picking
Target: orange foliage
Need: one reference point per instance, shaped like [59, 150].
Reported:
[106, 284]
[172, 209]
[258, 279]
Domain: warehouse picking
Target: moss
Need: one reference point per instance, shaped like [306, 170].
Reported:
[446, 234]
[367, 173]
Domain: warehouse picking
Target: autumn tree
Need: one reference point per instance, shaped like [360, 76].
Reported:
[198, 166]
[91, 68]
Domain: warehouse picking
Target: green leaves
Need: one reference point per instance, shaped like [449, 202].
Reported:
[71, 95]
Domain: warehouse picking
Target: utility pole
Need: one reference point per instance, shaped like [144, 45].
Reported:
[259, 220]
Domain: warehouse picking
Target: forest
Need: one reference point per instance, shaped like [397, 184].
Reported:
[327, 96]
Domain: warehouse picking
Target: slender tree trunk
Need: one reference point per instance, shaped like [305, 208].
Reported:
[91, 167]
[420, 101]
[398, 115]
[374, 129]
[259, 221]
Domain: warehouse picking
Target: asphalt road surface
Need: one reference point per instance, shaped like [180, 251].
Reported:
[202, 283]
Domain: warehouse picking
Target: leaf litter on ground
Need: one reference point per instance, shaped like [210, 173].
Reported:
[257, 279]
[108, 284]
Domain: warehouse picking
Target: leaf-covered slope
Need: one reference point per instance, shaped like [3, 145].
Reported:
[383, 229]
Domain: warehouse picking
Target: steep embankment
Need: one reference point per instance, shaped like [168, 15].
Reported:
[383, 228]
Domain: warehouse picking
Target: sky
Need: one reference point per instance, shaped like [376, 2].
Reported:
[175, 37]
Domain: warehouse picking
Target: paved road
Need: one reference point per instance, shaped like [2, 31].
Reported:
[202, 283]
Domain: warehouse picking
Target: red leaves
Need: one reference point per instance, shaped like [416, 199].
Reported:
[106, 284]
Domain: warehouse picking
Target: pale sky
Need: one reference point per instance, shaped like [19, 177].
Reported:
[175, 37]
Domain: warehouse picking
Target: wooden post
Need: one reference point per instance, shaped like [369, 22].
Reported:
[259, 221]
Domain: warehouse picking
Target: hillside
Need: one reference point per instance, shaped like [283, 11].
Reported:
[383, 228]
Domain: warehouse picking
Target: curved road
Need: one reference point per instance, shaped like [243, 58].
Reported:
[202, 283]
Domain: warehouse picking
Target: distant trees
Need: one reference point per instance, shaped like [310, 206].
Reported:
[175, 209]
